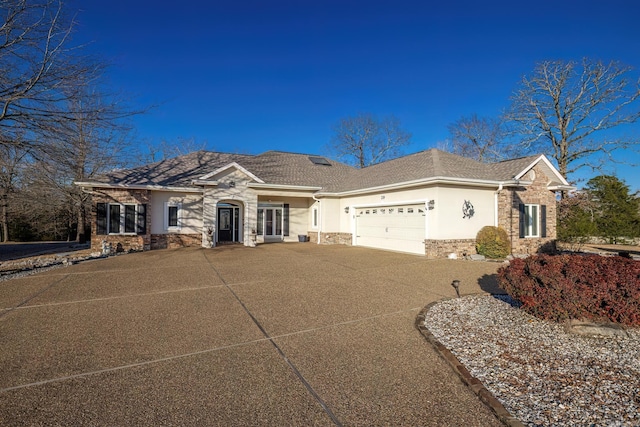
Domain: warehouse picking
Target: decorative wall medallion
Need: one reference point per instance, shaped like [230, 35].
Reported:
[467, 209]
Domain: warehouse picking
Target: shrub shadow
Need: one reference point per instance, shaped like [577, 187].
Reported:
[489, 283]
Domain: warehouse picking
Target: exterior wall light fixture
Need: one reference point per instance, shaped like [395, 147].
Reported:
[431, 204]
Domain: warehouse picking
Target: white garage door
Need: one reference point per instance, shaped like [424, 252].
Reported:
[396, 228]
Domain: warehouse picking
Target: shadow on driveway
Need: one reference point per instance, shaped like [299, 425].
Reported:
[16, 250]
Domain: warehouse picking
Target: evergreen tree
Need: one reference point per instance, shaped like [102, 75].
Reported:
[576, 221]
[618, 212]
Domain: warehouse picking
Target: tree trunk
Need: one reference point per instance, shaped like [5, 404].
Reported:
[4, 218]
[80, 236]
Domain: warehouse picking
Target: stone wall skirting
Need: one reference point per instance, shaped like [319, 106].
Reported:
[120, 242]
[533, 245]
[330, 238]
[115, 243]
[442, 248]
[172, 241]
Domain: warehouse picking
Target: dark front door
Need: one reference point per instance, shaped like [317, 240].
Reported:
[225, 224]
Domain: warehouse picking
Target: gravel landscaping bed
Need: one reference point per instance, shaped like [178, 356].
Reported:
[32, 265]
[542, 374]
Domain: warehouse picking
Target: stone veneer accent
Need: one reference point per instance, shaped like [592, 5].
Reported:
[508, 214]
[442, 248]
[330, 238]
[172, 241]
[121, 242]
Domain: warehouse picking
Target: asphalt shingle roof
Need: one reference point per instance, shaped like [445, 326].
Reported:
[276, 167]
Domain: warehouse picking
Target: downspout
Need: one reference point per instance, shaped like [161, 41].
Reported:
[496, 193]
[319, 217]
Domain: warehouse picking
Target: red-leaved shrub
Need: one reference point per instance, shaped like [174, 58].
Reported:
[575, 287]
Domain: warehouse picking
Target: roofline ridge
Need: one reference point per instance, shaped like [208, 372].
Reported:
[293, 152]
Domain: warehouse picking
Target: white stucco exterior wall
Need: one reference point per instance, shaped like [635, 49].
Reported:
[444, 221]
[447, 215]
[190, 211]
[330, 215]
[232, 188]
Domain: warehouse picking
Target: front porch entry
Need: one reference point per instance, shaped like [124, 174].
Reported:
[273, 221]
[229, 216]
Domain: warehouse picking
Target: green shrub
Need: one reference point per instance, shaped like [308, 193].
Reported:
[493, 242]
[575, 287]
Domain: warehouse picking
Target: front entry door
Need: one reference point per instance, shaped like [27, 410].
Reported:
[225, 226]
[228, 224]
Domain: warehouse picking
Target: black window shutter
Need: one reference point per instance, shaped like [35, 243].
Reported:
[521, 219]
[259, 230]
[142, 219]
[285, 219]
[101, 218]
[543, 221]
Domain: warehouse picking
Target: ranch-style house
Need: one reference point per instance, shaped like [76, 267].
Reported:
[430, 203]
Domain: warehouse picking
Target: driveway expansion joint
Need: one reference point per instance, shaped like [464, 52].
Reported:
[32, 296]
[469, 380]
[280, 352]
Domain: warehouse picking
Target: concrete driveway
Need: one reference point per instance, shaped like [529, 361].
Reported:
[281, 334]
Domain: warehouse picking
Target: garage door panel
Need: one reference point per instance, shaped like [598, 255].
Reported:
[398, 228]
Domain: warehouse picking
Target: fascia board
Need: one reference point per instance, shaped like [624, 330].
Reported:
[204, 182]
[562, 187]
[417, 183]
[283, 186]
[138, 187]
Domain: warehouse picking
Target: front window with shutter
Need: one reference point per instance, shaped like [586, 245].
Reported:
[114, 218]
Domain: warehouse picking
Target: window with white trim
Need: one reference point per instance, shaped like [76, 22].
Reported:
[531, 221]
[314, 217]
[172, 216]
[116, 218]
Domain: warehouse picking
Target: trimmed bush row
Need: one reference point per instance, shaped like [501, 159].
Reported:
[580, 287]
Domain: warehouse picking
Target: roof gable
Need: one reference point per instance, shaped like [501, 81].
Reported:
[226, 169]
[551, 172]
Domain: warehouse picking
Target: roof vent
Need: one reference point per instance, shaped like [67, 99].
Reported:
[319, 161]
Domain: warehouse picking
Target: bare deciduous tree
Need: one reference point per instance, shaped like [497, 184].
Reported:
[365, 140]
[50, 108]
[37, 64]
[93, 140]
[566, 109]
[11, 159]
[479, 138]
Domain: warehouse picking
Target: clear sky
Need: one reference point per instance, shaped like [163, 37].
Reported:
[251, 76]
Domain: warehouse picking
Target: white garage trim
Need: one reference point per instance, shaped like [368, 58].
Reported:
[392, 226]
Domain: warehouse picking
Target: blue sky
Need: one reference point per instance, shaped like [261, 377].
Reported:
[250, 76]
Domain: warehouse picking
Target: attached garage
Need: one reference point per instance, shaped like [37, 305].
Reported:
[397, 228]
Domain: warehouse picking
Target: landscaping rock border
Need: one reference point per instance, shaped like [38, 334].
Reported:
[540, 373]
[469, 380]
